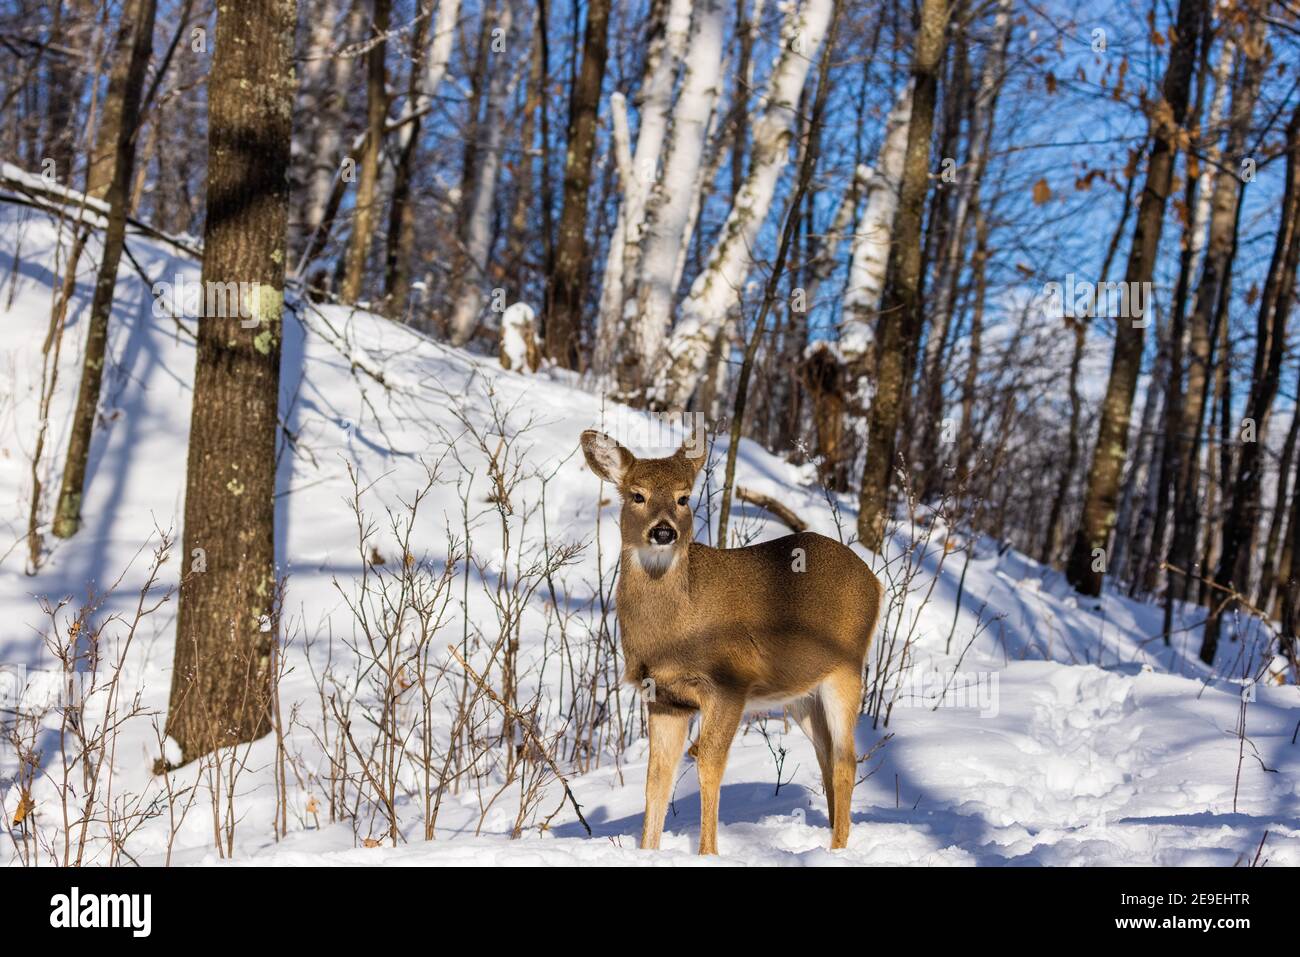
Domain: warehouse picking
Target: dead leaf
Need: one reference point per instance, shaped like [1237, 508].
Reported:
[1042, 192]
[25, 806]
[1050, 81]
[312, 806]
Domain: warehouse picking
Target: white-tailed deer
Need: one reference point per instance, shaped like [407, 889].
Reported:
[721, 631]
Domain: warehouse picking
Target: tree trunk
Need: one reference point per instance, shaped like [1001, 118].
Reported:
[222, 678]
[670, 26]
[1092, 539]
[982, 111]
[1268, 575]
[807, 166]
[970, 379]
[325, 183]
[1241, 526]
[125, 88]
[872, 240]
[423, 85]
[648, 310]
[472, 292]
[716, 290]
[1129, 530]
[115, 118]
[1210, 295]
[1199, 192]
[567, 279]
[899, 326]
[365, 213]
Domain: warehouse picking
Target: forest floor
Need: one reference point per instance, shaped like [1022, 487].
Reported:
[1025, 725]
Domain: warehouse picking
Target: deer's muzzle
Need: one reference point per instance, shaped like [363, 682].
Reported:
[663, 534]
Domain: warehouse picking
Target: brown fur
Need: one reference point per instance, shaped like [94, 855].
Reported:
[715, 631]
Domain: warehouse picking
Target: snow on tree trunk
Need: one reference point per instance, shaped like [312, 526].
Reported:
[668, 210]
[472, 296]
[519, 348]
[716, 290]
[662, 60]
[871, 242]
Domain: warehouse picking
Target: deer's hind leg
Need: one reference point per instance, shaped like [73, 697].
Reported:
[811, 717]
[841, 696]
[667, 737]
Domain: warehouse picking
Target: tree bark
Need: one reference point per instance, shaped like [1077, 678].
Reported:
[365, 213]
[1210, 296]
[125, 88]
[899, 325]
[1242, 523]
[983, 109]
[424, 81]
[1092, 539]
[667, 211]
[670, 26]
[567, 279]
[1268, 575]
[716, 290]
[222, 679]
[114, 118]
[472, 295]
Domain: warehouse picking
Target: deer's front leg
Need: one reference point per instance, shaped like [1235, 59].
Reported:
[667, 738]
[719, 719]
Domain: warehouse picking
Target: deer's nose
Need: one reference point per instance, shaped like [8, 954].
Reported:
[663, 534]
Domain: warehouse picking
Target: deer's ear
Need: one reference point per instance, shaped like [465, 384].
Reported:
[694, 452]
[607, 458]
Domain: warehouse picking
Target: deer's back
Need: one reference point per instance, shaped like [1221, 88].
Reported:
[784, 613]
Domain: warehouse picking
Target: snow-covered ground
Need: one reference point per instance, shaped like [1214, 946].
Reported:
[1069, 733]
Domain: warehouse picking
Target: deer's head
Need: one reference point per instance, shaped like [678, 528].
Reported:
[656, 519]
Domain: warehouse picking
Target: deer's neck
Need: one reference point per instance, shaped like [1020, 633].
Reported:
[653, 598]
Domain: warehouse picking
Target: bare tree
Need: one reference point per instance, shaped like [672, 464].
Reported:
[225, 625]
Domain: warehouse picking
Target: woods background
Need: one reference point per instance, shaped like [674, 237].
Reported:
[852, 232]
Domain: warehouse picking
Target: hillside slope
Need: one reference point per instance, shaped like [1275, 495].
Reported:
[1024, 725]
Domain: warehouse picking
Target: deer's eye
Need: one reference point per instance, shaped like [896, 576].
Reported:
[638, 498]
[684, 501]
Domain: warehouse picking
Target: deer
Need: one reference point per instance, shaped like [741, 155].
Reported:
[717, 632]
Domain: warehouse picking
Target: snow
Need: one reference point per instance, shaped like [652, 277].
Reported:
[1069, 734]
[518, 327]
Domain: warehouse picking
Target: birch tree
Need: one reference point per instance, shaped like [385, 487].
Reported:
[472, 296]
[670, 26]
[872, 239]
[648, 312]
[716, 291]
[327, 155]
